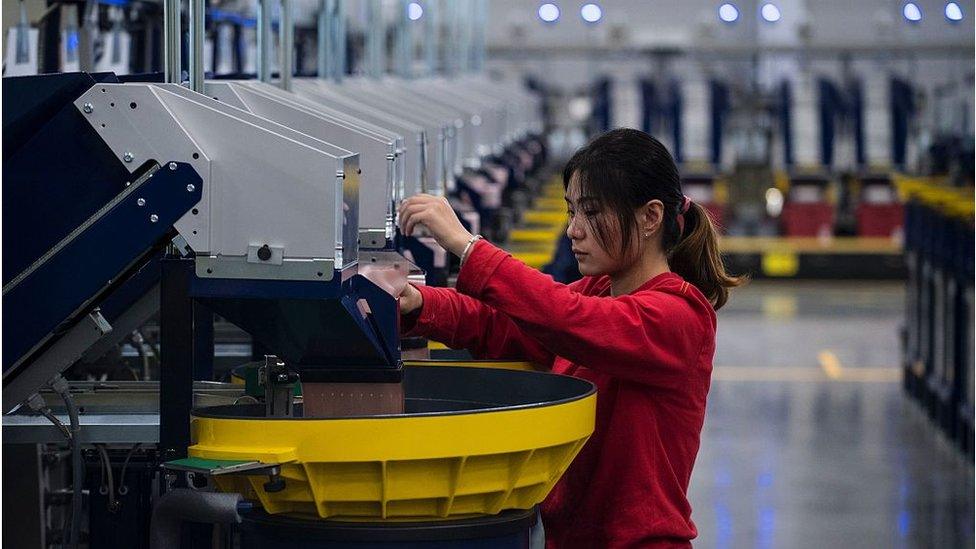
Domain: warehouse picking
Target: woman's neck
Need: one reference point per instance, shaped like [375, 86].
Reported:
[642, 270]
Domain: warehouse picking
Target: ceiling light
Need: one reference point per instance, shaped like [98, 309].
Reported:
[549, 12]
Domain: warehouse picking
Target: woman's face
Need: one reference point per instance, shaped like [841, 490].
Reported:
[594, 259]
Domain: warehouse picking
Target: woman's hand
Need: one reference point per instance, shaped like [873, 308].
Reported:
[410, 299]
[436, 214]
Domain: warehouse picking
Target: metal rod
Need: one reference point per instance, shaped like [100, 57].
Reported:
[197, 37]
[171, 40]
[374, 35]
[465, 30]
[286, 34]
[264, 40]
[339, 28]
[399, 42]
[432, 42]
[86, 36]
[481, 28]
[325, 39]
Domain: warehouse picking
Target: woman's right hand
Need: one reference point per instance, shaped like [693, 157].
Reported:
[410, 299]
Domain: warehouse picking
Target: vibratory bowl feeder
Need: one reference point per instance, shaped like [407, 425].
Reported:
[465, 464]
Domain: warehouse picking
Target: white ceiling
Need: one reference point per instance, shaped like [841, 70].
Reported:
[689, 23]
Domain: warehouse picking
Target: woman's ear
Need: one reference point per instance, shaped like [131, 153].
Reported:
[650, 217]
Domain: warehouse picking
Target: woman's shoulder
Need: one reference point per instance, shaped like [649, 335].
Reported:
[669, 291]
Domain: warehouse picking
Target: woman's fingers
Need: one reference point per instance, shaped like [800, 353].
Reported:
[409, 218]
[413, 219]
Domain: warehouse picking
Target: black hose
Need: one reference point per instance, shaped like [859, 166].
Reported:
[181, 504]
[108, 475]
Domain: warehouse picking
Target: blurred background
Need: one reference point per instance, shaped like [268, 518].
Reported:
[833, 142]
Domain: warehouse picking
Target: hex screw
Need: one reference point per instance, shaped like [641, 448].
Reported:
[128, 156]
[153, 218]
[172, 166]
[191, 187]
[88, 108]
[141, 201]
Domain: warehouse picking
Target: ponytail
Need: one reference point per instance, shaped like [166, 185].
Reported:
[696, 258]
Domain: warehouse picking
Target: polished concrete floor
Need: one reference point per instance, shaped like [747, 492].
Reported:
[809, 440]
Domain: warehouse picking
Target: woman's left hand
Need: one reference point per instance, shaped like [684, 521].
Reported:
[436, 214]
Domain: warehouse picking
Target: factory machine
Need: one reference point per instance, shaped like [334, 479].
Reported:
[276, 211]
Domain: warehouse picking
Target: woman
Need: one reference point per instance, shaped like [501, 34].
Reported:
[640, 325]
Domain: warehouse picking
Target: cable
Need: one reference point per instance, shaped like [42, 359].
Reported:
[36, 403]
[125, 465]
[60, 386]
[107, 466]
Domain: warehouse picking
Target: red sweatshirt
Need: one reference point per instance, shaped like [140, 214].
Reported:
[649, 353]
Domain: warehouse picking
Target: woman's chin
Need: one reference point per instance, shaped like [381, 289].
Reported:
[588, 270]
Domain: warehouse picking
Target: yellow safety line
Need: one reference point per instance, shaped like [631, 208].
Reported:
[837, 245]
[873, 374]
[532, 235]
[550, 204]
[830, 364]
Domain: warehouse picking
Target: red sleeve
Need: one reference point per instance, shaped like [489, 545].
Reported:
[652, 337]
[462, 322]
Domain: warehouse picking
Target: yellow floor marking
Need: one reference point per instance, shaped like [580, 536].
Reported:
[759, 373]
[779, 306]
[532, 235]
[532, 259]
[549, 218]
[839, 245]
[549, 204]
[830, 364]
[873, 374]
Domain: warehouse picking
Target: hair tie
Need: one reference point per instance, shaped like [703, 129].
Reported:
[685, 205]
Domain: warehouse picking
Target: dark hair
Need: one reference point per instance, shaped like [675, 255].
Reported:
[624, 169]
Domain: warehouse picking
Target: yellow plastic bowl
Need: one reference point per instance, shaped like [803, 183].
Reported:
[475, 441]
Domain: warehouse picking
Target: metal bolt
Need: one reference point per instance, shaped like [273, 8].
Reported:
[153, 218]
[191, 187]
[128, 156]
[172, 165]
[141, 201]
[88, 108]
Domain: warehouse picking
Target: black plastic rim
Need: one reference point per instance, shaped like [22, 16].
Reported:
[283, 527]
[448, 390]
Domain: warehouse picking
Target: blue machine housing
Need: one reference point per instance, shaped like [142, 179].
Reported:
[74, 232]
[343, 330]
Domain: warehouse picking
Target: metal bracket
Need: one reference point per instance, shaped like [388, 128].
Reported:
[279, 387]
[134, 317]
[242, 267]
[56, 359]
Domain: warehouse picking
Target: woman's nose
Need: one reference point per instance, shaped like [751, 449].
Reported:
[573, 230]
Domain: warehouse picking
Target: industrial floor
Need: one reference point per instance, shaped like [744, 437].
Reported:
[809, 440]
